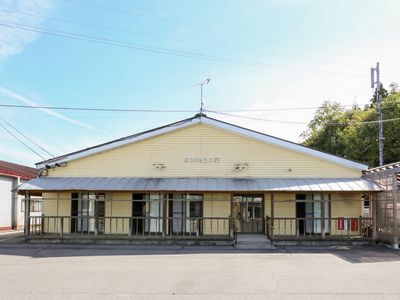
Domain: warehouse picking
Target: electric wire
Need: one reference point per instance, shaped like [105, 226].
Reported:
[98, 109]
[218, 112]
[148, 48]
[110, 109]
[358, 105]
[350, 122]
[196, 26]
[63, 20]
[29, 139]
[16, 137]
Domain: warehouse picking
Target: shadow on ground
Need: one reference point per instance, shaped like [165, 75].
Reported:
[354, 255]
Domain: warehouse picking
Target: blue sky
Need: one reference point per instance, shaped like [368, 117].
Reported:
[306, 52]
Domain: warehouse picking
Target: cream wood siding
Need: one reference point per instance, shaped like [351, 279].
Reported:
[171, 149]
[49, 207]
[346, 205]
[218, 207]
[284, 207]
[64, 209]
[118, 205]
[267, 205]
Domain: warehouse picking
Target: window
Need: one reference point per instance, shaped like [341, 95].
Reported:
[310, 208]
[196, 209]
[35, 205]
[84, 207]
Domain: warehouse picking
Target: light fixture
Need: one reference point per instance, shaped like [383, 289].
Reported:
[159, 166]
[240, 167]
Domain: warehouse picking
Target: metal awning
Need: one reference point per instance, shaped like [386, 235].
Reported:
[200, 184]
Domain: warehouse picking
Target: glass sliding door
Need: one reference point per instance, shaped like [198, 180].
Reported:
[147, 213]
[84, 208]
[155, 211]
[185, 211]
[311, 211]
[177, 213]
[194, 211]
[100, 212]
[247, 211]
[138, 213]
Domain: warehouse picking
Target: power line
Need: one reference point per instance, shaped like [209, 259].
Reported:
[11, 133]
[98, 109]
[247, 36]
[350, 122]
[257, 119]
[387, 105]
[176, 39]
[33, 142]
[147, 48]
[219, 112]
[110, 109]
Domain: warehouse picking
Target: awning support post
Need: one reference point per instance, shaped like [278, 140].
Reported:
[231, 220]
[27, 214]
[272, 216]
[374, 206]
[164, 215]
[323, 205]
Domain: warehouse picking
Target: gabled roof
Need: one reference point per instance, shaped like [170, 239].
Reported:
[15, 170]
[197, 119]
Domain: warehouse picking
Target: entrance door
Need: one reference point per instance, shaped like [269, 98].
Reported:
[100, 210]
[301, 214]
[138, 213]
[84, 208]
[186, 212]
[74, 212]
[155, 211]
[248, 213]
[194, 210]
[310, 208]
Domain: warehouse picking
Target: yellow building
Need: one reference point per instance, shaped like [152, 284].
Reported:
[200, 179]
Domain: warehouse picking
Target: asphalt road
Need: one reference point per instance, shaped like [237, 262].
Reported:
[43, 271]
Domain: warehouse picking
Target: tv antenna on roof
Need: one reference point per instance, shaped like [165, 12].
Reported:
[201, 83]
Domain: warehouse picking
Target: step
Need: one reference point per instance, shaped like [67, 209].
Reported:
[253, 241]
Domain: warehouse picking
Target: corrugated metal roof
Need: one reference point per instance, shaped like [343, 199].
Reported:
[199, 184]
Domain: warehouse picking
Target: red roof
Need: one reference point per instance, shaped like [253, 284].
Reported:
[15, 170]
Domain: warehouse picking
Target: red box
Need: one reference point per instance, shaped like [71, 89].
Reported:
[340, 224]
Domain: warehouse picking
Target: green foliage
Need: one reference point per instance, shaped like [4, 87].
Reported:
[339, 131]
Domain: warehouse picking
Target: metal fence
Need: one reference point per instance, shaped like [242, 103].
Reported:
[131, 227]
[319, 228]
[386, 203]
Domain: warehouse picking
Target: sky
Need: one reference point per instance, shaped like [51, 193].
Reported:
[259, 55]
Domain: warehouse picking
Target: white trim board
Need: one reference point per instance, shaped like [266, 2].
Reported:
[214, 123]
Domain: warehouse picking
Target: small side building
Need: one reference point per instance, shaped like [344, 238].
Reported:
[11, 205]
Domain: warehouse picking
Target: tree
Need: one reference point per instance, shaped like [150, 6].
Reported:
[352, 133]
[394, 87]
[328, 130]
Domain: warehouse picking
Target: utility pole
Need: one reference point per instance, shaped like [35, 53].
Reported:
[375, 71]
[201, 83]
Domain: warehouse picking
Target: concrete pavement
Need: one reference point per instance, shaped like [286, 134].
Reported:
[45, 271]
[12, 236]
